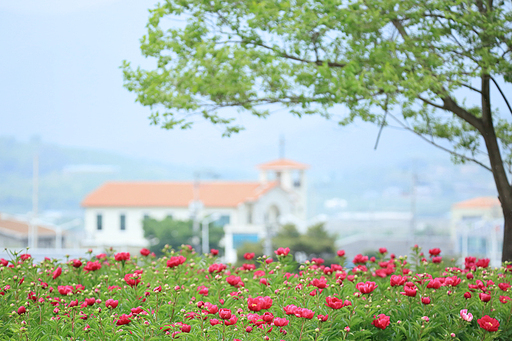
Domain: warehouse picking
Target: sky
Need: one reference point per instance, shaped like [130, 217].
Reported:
[59, 65]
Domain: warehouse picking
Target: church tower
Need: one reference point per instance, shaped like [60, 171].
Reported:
[291, 176]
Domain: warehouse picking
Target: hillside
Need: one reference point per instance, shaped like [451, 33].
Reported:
[68, 174]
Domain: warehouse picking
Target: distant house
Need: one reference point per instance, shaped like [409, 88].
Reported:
[14, 233]
[487, 208]
[114, 212]
[477, 227]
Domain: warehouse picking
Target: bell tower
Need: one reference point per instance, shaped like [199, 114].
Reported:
[290, 176]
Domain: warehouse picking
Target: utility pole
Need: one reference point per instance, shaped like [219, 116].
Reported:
[412, 227]
[267, 246]
[195, 213]
[32, 238]
[281, 146]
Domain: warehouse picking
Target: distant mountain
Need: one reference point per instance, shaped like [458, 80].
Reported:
[68, 174]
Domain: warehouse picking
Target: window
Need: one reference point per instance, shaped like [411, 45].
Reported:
[240, 238]
[223, 220]
[122, 222]
[99, 222]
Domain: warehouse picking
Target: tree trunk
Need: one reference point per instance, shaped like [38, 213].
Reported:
[506, 255]
[498, 170]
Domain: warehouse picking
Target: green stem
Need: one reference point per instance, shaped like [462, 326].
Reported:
[302, 329]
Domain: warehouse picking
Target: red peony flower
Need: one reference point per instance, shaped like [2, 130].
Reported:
[76, 263]
[175, 261]
[483, 263]
[488, 323]
[92, 266]
[397, 280]
[383, 250]
[57, 272]
[437, 260]
[123, 319]
[282, 252]
[216, 268]
[213, 322]
[259, 303]
[505, 299]
[22, 310]
[504, 286]
[334, 302]
[340, 253]
[132, 279]
[122, 256]
[225, 314]
[360, 259]
[90, 301]
[289, 309]
[484, 297]
[232, 320]
[65, 289]
[434, 252]
[268, 317]
[366, 288]
[305, 313]
[235, 281]
[322, 318]
[211, 308]
[381, 321]
[214, 252]
[112, 304]
[280, 322]
[25, 257]
[145, 252]
[318, 261]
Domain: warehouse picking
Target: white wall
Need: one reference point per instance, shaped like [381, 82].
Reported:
[133, 236]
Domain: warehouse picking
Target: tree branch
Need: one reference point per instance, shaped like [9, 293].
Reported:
[439, 146]
[285, 55]
[431, 103]
[502, 94]
[451, 105]
[470, 87]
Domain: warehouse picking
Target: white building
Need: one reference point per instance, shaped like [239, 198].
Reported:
[477, 228]
[114, 212]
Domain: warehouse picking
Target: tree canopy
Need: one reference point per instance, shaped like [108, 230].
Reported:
[316, 241]
[176, 233]
[429, 66]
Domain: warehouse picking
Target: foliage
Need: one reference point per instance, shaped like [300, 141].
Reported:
[118, 296]
[176, 233]
[316, 241]
[429, 66]
[311, 55]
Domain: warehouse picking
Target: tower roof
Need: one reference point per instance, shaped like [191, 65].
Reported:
[281, 164]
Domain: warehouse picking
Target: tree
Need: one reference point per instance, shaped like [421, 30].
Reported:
[316, 241]
[175, 233]
[429, 65]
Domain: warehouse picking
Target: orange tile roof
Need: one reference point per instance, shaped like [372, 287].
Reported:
[21, 228]
[480, 202]
[174, 194]
[282, 164]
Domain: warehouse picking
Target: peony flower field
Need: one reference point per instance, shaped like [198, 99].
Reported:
[188, 296]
